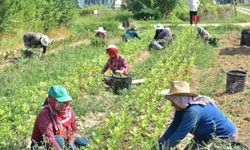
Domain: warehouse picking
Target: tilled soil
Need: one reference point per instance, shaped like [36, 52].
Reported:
[237, 106]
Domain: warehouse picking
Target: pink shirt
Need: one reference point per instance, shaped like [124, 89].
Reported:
[116, 63]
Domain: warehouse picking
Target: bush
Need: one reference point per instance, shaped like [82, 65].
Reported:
[85, 11]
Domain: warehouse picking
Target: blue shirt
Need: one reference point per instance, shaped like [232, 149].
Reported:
[131, 33]
[199, 120]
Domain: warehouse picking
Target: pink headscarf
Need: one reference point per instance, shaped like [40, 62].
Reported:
[185, 101]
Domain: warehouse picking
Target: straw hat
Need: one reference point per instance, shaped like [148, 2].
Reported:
[100, 29]
[178, 88]
[158, 26]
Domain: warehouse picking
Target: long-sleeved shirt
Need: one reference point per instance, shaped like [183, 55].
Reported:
[163, 34]
[193, 5]
[32, 39]
[44, 127]
[116, 63]
[199, 120]
[101, 35]
[131, 33]
[204, 34]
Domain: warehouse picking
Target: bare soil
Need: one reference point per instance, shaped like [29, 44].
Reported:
[236, 106]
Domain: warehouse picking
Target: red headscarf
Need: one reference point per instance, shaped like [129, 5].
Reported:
[62, 122]
[112, 51]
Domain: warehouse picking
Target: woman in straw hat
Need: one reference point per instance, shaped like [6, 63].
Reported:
[195, 114]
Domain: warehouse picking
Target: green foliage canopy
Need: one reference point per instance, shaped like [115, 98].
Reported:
[150, 9]
[35, 14]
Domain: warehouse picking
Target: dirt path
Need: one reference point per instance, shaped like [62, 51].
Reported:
[236, 106]
[243, 10]
[234, 56]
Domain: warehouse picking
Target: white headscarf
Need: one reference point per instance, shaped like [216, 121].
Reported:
[185, 101]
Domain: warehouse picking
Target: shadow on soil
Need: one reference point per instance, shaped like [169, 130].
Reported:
[242, 50]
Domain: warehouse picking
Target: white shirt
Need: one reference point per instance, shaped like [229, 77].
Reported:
[193, 4]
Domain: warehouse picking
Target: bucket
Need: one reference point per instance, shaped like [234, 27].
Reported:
[236, 81]
[121, 82]
[156, 45]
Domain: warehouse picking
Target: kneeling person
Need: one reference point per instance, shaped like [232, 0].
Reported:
[163, 37]
[55, 126]
[116, 63]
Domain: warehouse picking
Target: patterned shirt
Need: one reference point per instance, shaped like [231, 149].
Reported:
[116, 63]
[44, 126]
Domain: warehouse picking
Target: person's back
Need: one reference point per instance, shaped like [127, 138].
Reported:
[204, 34]
[211, 121]
[165, 34]
[32, 39]
[131, 33]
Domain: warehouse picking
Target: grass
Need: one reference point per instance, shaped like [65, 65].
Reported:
[240, 18]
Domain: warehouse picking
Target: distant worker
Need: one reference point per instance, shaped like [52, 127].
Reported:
[131, 33]
[195, 114]
[116, 63]
[102, 34]
[163, 37]
[55, 126]
[206, 36]
[36, 40]
[193, 8]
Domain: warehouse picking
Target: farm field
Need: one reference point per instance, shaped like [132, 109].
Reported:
[138, 116]
[229, 56]
[80, 73]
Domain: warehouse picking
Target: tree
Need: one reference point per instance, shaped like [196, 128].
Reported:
[150, 9]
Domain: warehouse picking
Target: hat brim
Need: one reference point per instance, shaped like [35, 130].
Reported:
[166, 92]
[102, 31]
[64, 99]
[157, 27]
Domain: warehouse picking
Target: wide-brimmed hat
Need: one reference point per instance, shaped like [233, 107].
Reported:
[59, 93]
[179, 88]
[44, 40]
[100, 29]
[158, 26]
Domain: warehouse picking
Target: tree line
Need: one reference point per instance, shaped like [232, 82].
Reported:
[35, 14]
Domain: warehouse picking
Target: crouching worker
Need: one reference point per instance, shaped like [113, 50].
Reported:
[206, 36]
[36, 40]
[163, 37]
[55, 126]
[130, 33]
[116, 63]
[101, 34]
[195, 114]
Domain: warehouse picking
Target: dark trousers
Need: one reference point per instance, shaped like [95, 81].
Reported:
[192, 13]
